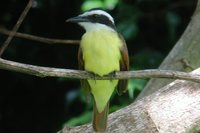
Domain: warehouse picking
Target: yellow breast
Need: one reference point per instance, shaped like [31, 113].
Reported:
[101, 51]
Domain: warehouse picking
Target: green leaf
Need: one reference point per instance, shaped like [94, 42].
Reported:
[110, 4]
[104, 4]
[82, 119]
[135, 85]
[89, 4]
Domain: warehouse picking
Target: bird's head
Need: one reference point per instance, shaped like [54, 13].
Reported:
[94, 19]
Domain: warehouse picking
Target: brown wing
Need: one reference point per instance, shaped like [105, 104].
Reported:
[124, 66]
[84, 83]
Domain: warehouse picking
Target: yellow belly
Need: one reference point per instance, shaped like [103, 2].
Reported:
[101, 55]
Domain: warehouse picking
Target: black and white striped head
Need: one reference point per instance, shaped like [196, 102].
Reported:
[94, 19]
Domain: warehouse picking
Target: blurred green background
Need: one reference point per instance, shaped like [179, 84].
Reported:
[44, 105]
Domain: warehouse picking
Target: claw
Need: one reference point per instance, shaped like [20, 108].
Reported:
[112, 74]
[94, 76]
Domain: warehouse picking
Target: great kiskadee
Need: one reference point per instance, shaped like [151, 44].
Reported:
[102, 51]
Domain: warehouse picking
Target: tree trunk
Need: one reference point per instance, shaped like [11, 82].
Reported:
[185, 56]
[174, 108]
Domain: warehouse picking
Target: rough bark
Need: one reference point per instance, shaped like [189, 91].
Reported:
[185, 56]
[174, 108]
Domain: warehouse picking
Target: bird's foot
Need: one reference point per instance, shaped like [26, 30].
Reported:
[94, 76]
[112, 75]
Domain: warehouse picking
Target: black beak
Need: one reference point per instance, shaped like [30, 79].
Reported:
[77, 19]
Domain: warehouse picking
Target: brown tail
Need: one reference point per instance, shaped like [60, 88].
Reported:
[100, 119]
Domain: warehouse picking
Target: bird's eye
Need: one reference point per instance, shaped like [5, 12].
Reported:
[95, 15]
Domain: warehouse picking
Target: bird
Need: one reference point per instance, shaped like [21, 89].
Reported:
[102, 51]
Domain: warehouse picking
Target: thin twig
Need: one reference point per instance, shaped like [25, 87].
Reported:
[16, 27]
[39, 39]
[77, 74]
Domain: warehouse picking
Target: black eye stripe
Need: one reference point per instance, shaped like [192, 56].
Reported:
[102, 19]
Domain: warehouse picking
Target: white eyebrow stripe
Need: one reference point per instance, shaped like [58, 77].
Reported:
[100, 12]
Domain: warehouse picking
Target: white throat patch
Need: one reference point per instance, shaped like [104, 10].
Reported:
[94, 26]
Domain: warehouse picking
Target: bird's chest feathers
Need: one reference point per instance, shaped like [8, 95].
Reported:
[101, 51]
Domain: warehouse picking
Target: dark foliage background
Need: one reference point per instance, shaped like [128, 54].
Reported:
[31, 104]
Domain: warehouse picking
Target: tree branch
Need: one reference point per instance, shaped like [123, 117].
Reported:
[39, 39]
[174, 108]
[16, 27]
[67, 73]
[184, 56]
